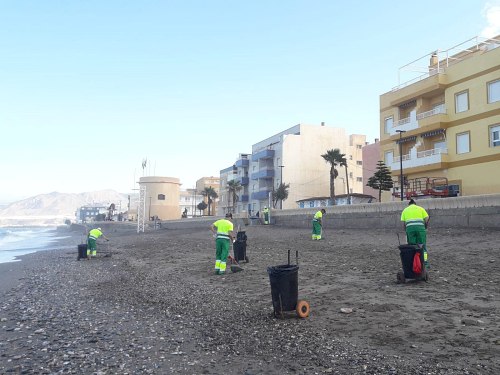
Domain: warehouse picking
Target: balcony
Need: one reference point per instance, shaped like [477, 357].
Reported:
[420, 159]
[242, 163]
[260, 195]
[416, 121]
[264, 154]
[243, 180]
[264, 173]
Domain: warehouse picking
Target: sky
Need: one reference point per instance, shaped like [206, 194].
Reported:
[89, 89]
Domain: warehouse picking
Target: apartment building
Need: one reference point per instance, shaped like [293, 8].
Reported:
[238, 173]
[293, 157]
[444, 125]
[214, 183]
[188, 202]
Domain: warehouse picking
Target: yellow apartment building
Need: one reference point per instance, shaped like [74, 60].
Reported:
[443, 127]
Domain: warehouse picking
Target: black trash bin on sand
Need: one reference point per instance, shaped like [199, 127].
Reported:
[407, 253]
[82, 251]
[240, 247]
[284, 281]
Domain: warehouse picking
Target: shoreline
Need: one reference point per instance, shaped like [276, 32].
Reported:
[11, 272]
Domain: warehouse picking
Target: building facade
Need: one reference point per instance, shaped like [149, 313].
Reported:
[207, 182]
[370, 157]
[445, 124]
[294, 157]
[188, 202]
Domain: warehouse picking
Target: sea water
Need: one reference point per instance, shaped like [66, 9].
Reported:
[16, 241]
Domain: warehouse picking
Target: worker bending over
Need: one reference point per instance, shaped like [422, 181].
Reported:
[94, 234]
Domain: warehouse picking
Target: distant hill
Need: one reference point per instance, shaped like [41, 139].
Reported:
[55, 208]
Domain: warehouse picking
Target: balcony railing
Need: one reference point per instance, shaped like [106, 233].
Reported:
[418, 159]
[402, 121]
[243, 180]
[436, 111]
[264, 173]
[260, 195]
[241, 163]
[411, 122]
[264, 154]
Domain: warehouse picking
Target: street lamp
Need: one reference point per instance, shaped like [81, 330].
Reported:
[401, 185]
[281, 182]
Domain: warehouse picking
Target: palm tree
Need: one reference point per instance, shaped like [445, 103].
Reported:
[210, 193]
[233, 187]
[343, 163]
[334, 158]
[281, 194]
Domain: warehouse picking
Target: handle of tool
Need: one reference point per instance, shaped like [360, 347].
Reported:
[288, 256]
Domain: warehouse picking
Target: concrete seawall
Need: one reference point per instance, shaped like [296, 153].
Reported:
[462, 212]
[481, 211]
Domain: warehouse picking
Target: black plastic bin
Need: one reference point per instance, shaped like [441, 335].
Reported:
[284, 287]
[82, 251]
[240, 251]
[407, 253]
[240, 247]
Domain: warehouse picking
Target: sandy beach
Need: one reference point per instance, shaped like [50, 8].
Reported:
[155, 307]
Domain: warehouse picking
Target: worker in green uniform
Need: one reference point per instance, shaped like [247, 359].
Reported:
[94, 234]
[223, 232]
[266, 215]
[317, 224]
[415, 221]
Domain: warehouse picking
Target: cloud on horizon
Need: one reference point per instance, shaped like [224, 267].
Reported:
[491, 12]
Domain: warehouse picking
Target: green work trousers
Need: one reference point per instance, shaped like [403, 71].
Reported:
[316, 232]
[417, 235]
[222, 246]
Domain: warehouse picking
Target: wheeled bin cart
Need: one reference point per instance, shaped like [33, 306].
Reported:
[407, 253]
[284, 289]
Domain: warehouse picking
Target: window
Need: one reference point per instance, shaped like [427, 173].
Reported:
[161, 197]
[388, 157]
[440, 145]
[389, 121]
[495, 136]
[463, 143]
[350, 175]
[359, 147]
[350, 157]
[359, 179]
[494, 91]
[359, 162]
[462, 101]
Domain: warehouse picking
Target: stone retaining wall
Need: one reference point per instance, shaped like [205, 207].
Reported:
[481, 211]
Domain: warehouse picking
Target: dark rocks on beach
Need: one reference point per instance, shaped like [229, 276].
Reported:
[154, 307]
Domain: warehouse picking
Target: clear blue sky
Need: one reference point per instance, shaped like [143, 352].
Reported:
[88, 89]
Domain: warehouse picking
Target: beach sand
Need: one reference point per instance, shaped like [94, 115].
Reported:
[155, 307]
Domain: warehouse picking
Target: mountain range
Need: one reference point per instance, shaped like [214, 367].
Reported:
[55, 208]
